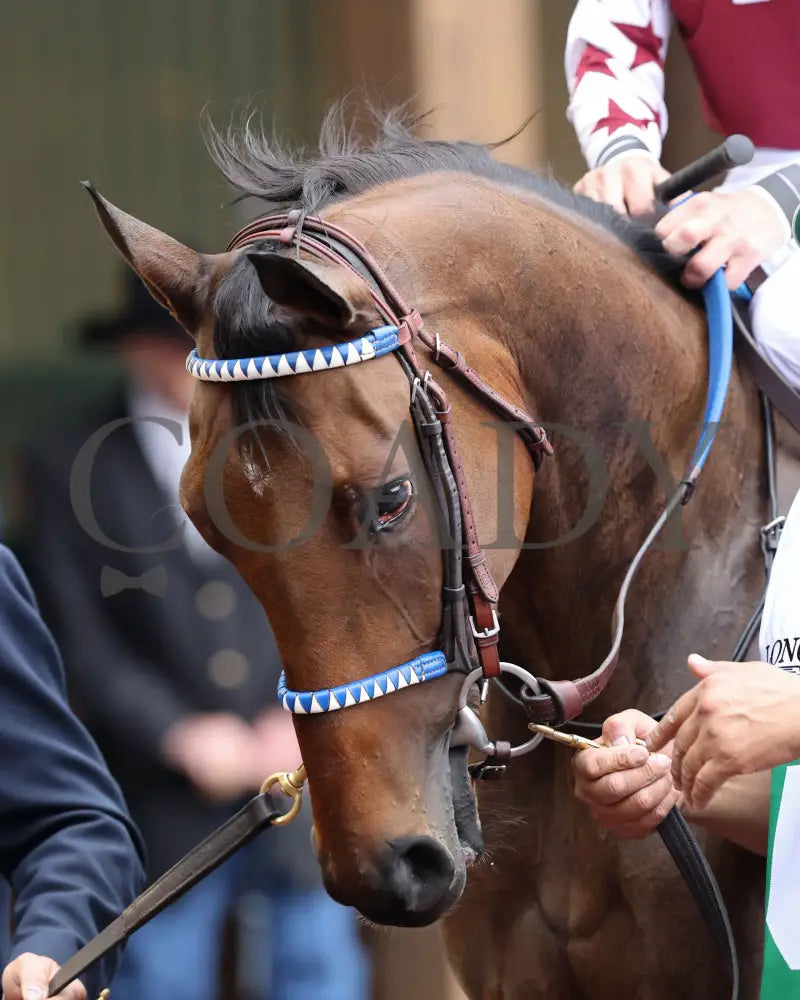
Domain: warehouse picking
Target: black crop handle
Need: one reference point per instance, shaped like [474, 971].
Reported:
[733, 152]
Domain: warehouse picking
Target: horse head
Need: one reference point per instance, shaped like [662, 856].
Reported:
[316, 488]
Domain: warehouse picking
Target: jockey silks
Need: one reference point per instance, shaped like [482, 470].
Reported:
[747, 60]
[745, 56]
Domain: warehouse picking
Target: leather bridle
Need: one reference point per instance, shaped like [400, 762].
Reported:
[469, 633]
[469, 592]
[470, 629]
[467, 585]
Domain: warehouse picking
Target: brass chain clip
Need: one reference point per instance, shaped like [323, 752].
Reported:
[291, 783]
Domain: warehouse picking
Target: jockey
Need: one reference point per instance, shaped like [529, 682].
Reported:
[712, 753]
[745, 56]
[68, 850]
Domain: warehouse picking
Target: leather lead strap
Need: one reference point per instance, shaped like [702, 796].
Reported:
[698, 876]
[259, 814]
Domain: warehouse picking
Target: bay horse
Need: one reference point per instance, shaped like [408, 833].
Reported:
[570, 312]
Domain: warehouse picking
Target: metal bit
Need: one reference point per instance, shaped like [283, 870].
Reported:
[469, 732]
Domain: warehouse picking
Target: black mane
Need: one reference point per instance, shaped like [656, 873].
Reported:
[347, 165]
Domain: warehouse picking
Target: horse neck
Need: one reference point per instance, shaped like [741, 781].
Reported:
[563, 318]
[605, 347]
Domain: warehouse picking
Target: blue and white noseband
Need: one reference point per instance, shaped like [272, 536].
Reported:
[423, 668]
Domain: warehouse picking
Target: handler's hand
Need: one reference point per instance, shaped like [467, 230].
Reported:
[737, 230]
[626, 183]
[28, 978]
[627, 790]
[740, 718]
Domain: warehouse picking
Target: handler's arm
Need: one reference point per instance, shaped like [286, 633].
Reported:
[739, 812]
[67, 845]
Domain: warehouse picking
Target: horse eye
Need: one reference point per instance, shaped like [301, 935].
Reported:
[392, 501]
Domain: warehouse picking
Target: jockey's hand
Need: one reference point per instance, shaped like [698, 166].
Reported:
[740, 718]
[628, 790]
[736, 230]
[626, 183]
[28, 978]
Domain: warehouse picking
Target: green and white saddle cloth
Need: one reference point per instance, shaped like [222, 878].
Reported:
[780, 644]
[781, 977]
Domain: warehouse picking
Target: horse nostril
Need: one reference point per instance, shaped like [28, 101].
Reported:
[422, 871]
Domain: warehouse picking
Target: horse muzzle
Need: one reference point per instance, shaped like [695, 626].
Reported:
[408, 882]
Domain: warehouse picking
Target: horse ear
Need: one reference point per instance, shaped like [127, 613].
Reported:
[329, 292]
[175, 275]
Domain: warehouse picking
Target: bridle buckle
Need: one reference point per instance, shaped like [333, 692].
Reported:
[771, 535]
[420, 385]
[487, 633]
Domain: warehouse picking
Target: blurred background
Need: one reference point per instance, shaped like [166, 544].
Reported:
[113, 91]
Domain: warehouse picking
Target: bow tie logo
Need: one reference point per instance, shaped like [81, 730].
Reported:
[114, 581]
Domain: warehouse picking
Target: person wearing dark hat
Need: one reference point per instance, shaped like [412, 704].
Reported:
[173, 666]
[151, 346]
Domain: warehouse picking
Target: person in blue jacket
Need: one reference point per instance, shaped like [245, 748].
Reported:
[70, 856]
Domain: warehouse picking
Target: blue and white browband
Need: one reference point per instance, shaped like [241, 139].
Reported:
[377, 342]
[423, 668]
